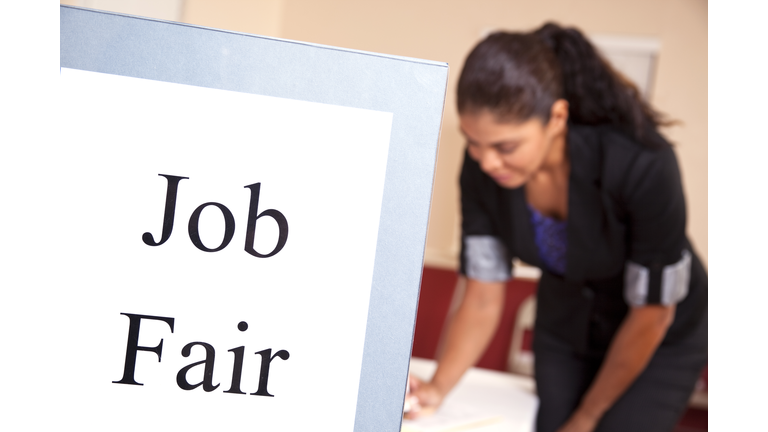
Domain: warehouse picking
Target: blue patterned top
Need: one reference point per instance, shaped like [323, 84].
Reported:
[551, 237]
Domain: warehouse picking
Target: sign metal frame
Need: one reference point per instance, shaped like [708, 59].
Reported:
[413, 90]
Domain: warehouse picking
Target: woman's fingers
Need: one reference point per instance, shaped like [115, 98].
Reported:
[423, 399]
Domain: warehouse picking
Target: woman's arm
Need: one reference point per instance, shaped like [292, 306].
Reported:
[469, 333]
[631, 349]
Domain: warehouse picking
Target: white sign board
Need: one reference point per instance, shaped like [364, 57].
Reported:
[194, 190]
[224, 232]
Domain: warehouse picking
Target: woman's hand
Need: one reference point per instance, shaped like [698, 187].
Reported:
[423, 399]
[469, 333]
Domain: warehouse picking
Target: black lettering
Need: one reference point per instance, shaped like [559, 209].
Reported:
[229, 227]
[237, 370]
[170, 210]
[210, 356]
[133, 346]
[253, 215]
[266, 360]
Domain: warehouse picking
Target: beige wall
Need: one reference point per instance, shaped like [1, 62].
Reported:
[263, 17]
[446, 30]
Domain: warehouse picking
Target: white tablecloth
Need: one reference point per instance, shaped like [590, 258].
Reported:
[483, 401]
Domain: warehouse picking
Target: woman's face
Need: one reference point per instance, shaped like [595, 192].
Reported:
[510, 153]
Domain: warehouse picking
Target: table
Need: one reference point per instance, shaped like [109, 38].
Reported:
[482, 401]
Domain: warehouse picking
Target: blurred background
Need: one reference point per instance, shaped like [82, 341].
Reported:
[662, 45]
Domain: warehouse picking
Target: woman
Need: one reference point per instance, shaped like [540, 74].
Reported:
[565, 169]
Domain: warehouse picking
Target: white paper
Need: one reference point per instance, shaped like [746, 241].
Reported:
[99, 188]
[483, 400]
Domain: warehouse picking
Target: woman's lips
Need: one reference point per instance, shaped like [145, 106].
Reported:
[501, 178]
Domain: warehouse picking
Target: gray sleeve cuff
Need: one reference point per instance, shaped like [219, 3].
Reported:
[673, 287]
[486, 259]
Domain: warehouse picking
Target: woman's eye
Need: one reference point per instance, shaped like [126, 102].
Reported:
[507, 149]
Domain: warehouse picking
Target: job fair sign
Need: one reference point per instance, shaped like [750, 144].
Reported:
[214, 231]
[209, 268]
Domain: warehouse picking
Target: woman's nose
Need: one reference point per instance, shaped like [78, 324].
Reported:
[490, 161]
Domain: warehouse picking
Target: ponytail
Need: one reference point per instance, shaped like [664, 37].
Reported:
[596, 93]
[520, 75]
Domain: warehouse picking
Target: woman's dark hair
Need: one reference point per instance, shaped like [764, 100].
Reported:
[518, 76]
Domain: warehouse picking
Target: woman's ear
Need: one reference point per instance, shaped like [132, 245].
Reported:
[558, 116]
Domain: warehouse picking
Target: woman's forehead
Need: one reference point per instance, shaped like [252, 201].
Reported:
[485, 128]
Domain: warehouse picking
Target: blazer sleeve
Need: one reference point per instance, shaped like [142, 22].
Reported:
[659, 262]
[483, 254]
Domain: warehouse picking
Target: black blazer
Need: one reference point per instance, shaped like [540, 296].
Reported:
[626, 240]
